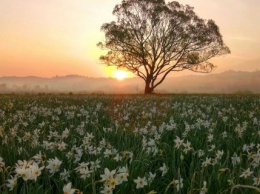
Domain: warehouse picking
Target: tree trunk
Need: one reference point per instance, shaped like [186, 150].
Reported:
[148, 89]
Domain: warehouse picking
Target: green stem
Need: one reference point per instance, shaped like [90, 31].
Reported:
[244, 186]
[93, 183]
[168, 186]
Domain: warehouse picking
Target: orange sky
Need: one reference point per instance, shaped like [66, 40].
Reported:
[49, 38]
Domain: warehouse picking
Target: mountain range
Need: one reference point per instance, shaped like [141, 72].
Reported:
[226, 82]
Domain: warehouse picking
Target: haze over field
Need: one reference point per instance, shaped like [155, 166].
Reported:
[227, 82]
[49, 38]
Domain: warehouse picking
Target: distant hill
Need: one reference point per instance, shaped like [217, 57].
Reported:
[227, 82]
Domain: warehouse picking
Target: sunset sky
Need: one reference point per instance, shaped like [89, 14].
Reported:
[59, 37]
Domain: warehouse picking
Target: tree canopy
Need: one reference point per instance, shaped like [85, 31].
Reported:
[152, 38]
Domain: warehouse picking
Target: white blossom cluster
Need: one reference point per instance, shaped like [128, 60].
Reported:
[136, 144]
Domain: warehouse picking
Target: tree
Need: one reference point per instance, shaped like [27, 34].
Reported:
[151, 39]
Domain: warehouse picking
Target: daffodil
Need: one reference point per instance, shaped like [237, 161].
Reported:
[67, 189]
[53, 165]
[140, 182]
[164, 169]
[11, 183]
[246, 173]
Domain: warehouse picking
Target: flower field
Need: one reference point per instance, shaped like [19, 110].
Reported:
[129, 144]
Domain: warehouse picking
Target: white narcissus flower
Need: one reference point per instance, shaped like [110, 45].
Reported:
[38, 157]
[121, 177]
[122, 174]
[151, 177]
[68, 190]
[207, 162]
[62, 146]
[108, 174]
[111, 183]
[140, 182]
[107, 153]
[246, 173]
[85, 172]
[178, 142]
[28, 170]
[95, 165]
[25, 173]
[219, 154]
[65, 175]
[35, 171]
[235, 159]
[107, 190]
[53, 165]
[187, 147]
[118, 157]
[164, 169]
[11, 183]
[210, 137]
[65, 133]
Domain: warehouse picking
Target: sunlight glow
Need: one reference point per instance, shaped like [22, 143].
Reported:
[120, 74]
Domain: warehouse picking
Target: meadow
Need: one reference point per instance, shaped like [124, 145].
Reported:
[129, 144]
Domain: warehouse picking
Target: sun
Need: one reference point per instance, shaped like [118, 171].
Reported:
[120, 74]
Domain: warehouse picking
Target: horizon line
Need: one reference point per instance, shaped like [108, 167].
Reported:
[78, 75]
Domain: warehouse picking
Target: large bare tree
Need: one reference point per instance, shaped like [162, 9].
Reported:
[151, 39]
